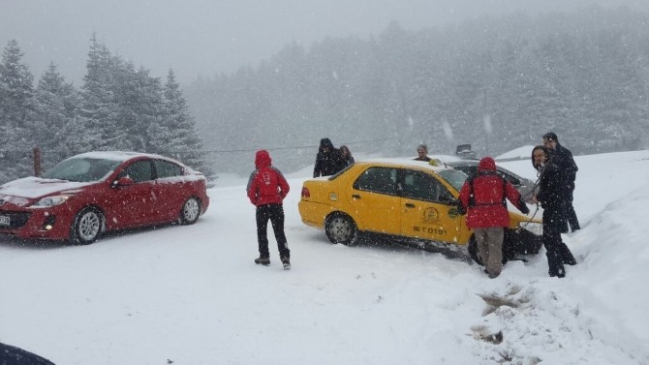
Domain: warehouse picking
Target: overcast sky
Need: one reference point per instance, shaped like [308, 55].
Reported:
[205, 37]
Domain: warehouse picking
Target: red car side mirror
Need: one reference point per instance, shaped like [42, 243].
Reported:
[124, 181]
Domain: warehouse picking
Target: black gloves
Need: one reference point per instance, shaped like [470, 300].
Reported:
[460, 207]
[523, 207]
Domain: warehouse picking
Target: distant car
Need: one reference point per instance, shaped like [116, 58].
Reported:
[409, 200]
[96, 192]
[524, 186]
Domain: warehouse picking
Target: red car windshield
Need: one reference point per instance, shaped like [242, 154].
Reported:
[82, 169]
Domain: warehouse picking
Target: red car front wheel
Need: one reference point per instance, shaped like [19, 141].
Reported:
[87, 226]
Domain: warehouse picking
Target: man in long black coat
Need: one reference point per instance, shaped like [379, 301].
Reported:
[562, 157]
[550, 195]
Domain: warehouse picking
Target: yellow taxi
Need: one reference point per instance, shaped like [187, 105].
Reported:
[413, 201]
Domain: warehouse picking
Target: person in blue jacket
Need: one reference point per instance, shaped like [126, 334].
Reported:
[347, 155]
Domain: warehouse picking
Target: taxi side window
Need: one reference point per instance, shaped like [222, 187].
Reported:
[381, 180]
[420, 186]
[139, 171]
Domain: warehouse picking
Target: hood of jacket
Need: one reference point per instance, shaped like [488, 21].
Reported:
[487, 164]
[262, 159]
[326, 143]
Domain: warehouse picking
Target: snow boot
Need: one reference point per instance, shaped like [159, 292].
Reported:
[262, 261]
[566, 256]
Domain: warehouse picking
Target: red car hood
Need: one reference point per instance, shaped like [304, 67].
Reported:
[36, 187]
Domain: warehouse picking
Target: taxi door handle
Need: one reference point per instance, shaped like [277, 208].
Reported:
[356, 196]
[410, 205]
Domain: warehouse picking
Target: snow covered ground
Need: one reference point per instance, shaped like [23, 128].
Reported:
[192, 295]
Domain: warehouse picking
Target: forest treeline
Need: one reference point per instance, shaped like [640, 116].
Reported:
[496, 82]
[117, 108]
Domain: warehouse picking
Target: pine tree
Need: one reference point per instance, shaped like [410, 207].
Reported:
[16, 92]
[140, 102]
[55, 106]
[176, 135]
[99, 114]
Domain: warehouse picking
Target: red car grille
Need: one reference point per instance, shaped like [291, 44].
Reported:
[16, 219]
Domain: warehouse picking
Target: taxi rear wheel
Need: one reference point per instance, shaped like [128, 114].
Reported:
[340, 228]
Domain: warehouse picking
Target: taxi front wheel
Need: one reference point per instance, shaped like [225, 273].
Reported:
[473, 250]
[340, 228]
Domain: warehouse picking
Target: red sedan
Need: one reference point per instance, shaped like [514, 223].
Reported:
[96, 192]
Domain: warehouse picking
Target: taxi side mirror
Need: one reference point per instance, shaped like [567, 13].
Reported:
[458, 208]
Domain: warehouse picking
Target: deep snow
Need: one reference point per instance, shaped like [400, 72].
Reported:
[192, 295]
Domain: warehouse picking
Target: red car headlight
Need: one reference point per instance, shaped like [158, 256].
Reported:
[50, 201]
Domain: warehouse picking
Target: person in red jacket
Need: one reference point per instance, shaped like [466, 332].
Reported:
[267, 189]
[483, 198]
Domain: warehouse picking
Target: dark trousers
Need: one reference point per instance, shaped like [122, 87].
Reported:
[552, 242]
[571, 215]
[557, 252]
[274, 213]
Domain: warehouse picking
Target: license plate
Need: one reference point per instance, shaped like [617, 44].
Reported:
[4, 220]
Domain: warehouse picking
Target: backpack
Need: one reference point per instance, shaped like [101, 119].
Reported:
[472, 202]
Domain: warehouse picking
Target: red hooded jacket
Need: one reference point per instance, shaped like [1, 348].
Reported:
[483, 197]
[266, 185]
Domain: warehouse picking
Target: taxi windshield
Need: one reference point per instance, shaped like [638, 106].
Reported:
[454, 177]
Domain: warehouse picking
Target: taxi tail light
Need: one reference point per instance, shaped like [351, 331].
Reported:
[305, 193]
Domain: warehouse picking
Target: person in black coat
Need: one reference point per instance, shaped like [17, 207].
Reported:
[329, 160]
[11, 355]
[551, 197]
[562, 157]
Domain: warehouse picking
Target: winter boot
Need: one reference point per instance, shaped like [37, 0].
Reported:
[490, 275]
[286, 262]
[566, 256]
[262, 261]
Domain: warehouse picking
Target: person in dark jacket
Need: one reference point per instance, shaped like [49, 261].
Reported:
[10, 355]
[422, 153]
[267, 189]
[562, 157]
[329, 160]
[483, 197]
[347, 155]
[551, 195]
